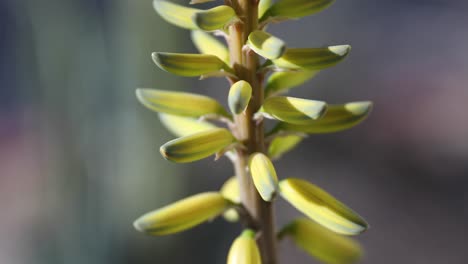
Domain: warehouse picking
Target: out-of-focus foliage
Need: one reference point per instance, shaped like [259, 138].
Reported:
[78, 155]
[321, 243]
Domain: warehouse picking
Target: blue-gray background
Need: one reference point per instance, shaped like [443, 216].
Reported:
[79, 156]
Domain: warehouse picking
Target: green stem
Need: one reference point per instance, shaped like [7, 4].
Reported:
[250, 132]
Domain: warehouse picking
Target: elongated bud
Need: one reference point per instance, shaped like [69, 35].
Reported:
[239, 97]
[192, 18]
[230, 190]
[322, 207]
[264, 176]
[183, 126]
[312, 58]
[321, 243]
[294, 110]
[208, 44]
[244, 250]
[197, 146]
[337, 118]
[266, 45]
[183, 214]
[179, 103]
[292, 9]
[281, 82]
[283, 144]
[190, 65]
[215, 18]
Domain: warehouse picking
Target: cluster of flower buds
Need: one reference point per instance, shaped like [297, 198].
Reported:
[324, 233]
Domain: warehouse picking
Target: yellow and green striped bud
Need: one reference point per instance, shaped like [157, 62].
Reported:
[312, 58]
[321, 207]
[281, 82]
[266, 45]
[244, 250]
[191, 18]
[239, 97]
[283, 144]
[337, 118]
[183, 126]
[190, 65]
[263, 176]
[179, 103]
[183, 214]
[294, 110]
[321, 243]
[208, 44]
[197, 146]
[216, 18]
[292, 9]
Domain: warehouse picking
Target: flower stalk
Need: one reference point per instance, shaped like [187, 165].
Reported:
[245, 62]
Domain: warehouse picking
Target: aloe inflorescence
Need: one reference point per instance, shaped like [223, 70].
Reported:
[260, 69]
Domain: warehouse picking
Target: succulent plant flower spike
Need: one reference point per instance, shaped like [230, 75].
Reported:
[259, 68]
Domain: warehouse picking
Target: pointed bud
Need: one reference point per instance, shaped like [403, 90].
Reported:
[179, 103]
[321, 243]
[312, 58]
[208, 44]
[264, 176]
[190, 65]
[183, 214]
[337, 118]
[244, 250]
[183, 126]
[197, 146]
[239, 97]
[294, 110]
[291, 9]
[266, 45]
[281, 82]
[283, 144]
[322, 207]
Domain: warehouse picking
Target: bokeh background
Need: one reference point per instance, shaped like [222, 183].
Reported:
[79, 156]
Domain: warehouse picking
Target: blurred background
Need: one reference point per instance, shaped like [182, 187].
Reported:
[79, 157]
